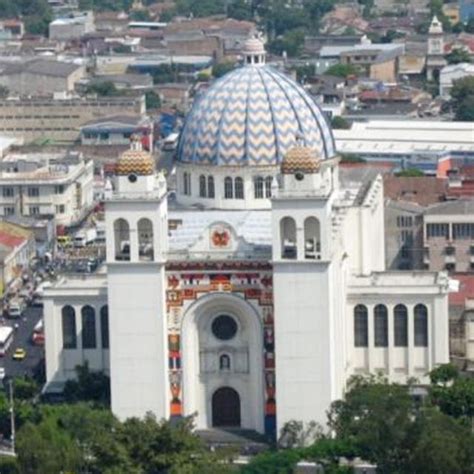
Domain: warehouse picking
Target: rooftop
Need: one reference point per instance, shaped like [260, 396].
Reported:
[462, 206]
[44, 67]
[423, 191]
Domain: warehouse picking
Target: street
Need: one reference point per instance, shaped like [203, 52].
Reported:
[22, 339]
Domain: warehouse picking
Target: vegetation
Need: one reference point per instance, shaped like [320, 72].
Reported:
[105, 5]
[152, 100]
[411, 173]
[462, 99]
[457, 56]
[339, 122]
[35, 13]
[351, 158]
[220, 69]
[4, 92]
[342, 70]
[103, 89]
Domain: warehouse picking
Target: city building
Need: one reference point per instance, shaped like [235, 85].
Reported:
[72, 27]
[449, 236]
[50, 184]
[17, 248]
[452, 73]
[40, 77]
[60, 119]
[435, 60]
[260, 288]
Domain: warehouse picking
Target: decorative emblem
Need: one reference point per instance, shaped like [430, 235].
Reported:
[220, 237]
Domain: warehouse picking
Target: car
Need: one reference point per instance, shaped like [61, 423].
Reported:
[19, 354]
[2, 373]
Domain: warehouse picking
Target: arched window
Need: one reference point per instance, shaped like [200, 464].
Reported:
[104, 326]
[122, 239]
[421, 325]
[288, 238]
[89, 340]
[186, 184]
[210, 187]
[224, 362]
[268, 186]
[258, 187]
[400, 325]
[312, 238]
[202, 186]
[239, 188]
[68, 316]
[145, 239]
[228, 188]
[361, 326]
[381, 326]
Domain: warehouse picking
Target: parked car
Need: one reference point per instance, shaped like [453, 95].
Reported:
[19, 354]
[15, 309]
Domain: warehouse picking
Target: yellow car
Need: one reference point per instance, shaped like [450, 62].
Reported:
[19, 354]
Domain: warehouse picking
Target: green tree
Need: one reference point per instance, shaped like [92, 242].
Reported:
[411, 173]
[462, 99]
[240, 10]
[89, 386]
[351, 158]
[103, 89]
[25, 388]
[140, 15]
[342, 70]
[152, 100]
[220, 69]
[291, 42]
[9, 465]
[339, 122]
[457, 56]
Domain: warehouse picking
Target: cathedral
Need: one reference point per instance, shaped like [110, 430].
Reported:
[253, 292]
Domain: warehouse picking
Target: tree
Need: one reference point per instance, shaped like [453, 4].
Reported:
[89, 386]
[152, 100]
[469, 28]
[4, 92]
[291, 43]
[411, 173]
[458, 55]
[351, 158]
[25, 388]
[342, 70]
[103, 89]
[462, 98]
[220, 69]
[339, 122]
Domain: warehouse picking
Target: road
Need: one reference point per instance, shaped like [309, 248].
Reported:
[22, 339]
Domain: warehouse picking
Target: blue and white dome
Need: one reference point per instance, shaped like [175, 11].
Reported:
[252, 116]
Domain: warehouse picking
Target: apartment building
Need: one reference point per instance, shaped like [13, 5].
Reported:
[46, 184]
[60, 119]
[448, 231]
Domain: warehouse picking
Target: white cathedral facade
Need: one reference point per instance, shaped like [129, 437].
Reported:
[257, 290]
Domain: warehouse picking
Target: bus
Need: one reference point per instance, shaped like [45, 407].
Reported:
[6, 338]
[38, 334]
[170, 143]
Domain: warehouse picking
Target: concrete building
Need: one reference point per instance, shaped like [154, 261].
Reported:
[451, 73]
[449, 236]
[37, 185]
[262, 290]
[40, 77]
[61, 119]
[72, 27]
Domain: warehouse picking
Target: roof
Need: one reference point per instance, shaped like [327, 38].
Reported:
[44, 67]
[462, 206]
[332, 51]
[114, 120]
[423, 191]
[251, 116]
[12, 236]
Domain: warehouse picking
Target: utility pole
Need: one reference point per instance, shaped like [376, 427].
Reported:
[12, 415]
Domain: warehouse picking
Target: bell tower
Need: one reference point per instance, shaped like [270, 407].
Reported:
[305, 274]
[136, 247]
[435, 58]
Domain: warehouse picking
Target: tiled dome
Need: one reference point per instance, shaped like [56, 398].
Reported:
[251, 117]
[135, 161]
[300, 158]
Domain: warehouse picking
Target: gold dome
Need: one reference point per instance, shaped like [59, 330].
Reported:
[300, 158]
[135, 161]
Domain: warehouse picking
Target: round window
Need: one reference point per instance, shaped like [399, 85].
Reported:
[299, 176]
[132, 177]
[224, 327]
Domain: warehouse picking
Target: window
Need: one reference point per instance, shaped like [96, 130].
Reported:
[405, 252]
[463, 231]
[224, 362]
[8, 192]
[59, 189]
[186, 184]
[228, 188]
[68, 316]
[104, 136]
[380, 326]
[312, 239]
[122, 240]
[202, 186]
[8, 211]
[145, 239]
[400, 323]
[450, 267]
[361, 328]
[268, 186]
[471, 250]
[258, 187]
[404, 221]
[33, 192]
[34, 210]
[104, 326]
[224, 327]
[450, 250]
[421, 325]
[407, 237]
[288, 238]
[437, 230]
[88, 328]
[60, 209]
[210, 187]
[239, 188]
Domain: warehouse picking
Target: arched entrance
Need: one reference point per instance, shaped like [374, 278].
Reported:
[226, 407]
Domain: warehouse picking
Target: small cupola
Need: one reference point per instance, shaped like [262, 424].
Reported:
[253, 52]
[135, 161]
